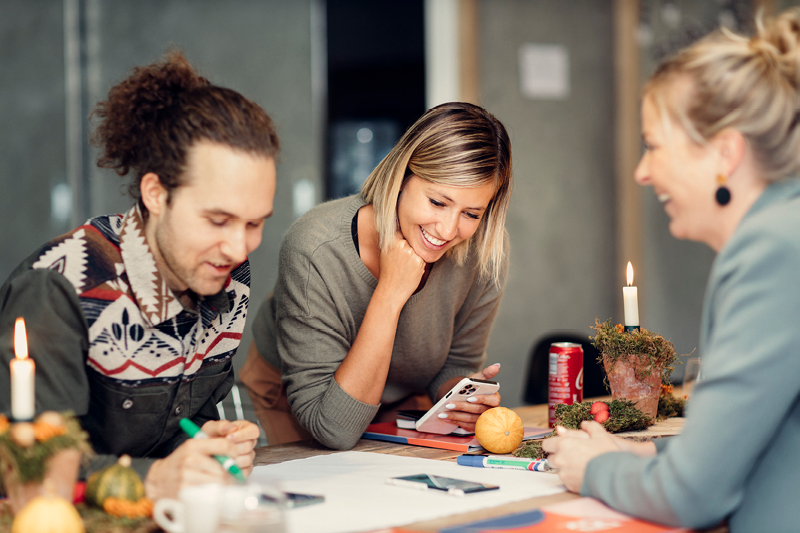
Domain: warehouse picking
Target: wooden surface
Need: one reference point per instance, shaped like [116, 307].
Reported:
[535, 416]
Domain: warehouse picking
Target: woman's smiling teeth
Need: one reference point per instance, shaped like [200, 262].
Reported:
[663, 197]
[434, 241]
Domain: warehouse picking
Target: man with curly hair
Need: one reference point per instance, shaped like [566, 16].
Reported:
[134, 319]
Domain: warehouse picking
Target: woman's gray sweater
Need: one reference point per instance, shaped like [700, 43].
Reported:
[307, 326]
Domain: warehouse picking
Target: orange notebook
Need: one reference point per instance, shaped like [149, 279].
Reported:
[582, 514]
[389, 431]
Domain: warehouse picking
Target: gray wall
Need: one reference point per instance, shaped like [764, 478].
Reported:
[259, 48]
[561, 221]
[32, 125]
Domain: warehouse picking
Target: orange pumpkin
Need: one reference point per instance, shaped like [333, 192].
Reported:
[499, 430]
[120, 507]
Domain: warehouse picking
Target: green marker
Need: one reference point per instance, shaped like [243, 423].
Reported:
[194, 432]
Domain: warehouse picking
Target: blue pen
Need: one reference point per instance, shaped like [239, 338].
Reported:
[510, 463]
[194, 432]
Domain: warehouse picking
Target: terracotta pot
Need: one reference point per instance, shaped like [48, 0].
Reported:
[62, 472]
[623, 383]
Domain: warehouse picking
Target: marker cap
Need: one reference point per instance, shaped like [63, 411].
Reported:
[189, 427]
[470, 460]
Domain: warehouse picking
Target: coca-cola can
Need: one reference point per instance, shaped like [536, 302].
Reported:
[566, 376]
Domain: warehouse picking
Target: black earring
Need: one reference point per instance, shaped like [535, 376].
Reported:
[723, 194]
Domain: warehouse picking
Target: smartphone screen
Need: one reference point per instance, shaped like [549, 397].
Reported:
[451, 485]
[294, 499]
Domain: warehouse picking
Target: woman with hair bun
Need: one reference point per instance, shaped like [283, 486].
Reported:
[385, 299]
[721, 126]
[133, 319]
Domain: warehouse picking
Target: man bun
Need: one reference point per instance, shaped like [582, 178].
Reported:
[778, 43]
[154, 116]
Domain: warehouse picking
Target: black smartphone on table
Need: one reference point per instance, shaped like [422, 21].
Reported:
[455, 487]
[295, 499]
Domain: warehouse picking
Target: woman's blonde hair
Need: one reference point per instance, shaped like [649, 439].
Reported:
[458, 145]
[749, 84]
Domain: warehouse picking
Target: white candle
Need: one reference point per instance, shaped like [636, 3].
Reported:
[23, 376]
[630, 298]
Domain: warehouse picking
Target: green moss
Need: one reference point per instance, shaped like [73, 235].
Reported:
[669, 406]
[30, 463]
[624, 416]
[646, 351]
[531, 449]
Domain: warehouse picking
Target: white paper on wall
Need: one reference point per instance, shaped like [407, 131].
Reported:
[544, 71]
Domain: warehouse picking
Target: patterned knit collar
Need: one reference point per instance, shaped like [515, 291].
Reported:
[155, 299]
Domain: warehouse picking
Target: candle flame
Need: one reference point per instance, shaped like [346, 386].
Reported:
[20, 339]
[630, 274]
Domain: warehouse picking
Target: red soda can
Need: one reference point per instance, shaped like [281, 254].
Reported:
[566, 376]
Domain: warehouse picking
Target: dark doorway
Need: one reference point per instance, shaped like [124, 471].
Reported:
[376, 84]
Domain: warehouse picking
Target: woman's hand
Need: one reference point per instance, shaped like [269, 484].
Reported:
[465, 414]
[571, 450]
[401, 271]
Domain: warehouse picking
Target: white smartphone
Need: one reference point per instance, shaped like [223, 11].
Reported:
[467, 387]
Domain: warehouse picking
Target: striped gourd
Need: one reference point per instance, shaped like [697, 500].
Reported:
[118, 480]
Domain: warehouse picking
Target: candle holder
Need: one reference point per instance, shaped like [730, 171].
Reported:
[49, 448]
[636, 363]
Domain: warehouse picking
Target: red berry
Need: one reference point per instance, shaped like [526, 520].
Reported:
[598, 407]
[601, 417]
[78, 491]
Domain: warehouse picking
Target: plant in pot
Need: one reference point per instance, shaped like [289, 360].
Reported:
[48, 449]
[636, 363]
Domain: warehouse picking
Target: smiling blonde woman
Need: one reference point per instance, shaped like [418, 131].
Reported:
[386, 299]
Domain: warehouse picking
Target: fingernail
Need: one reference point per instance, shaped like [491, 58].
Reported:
[472, 399]
[450, 406]
[442, 415]
[496, 364]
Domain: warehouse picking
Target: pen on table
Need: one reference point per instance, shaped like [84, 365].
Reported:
[511, 463]
[194, 432]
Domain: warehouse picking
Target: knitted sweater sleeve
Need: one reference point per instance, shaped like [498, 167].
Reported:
[314, 334]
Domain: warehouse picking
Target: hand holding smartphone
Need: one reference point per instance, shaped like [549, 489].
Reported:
[464, 389]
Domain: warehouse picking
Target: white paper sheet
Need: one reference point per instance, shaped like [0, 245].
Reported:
[357, 497]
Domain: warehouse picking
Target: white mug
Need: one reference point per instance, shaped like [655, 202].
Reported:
[197, 510]
[252, 508]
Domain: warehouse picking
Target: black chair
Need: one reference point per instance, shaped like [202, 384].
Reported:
[536, 387]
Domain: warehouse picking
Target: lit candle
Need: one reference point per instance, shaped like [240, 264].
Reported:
[23, 374]
[630, 297]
